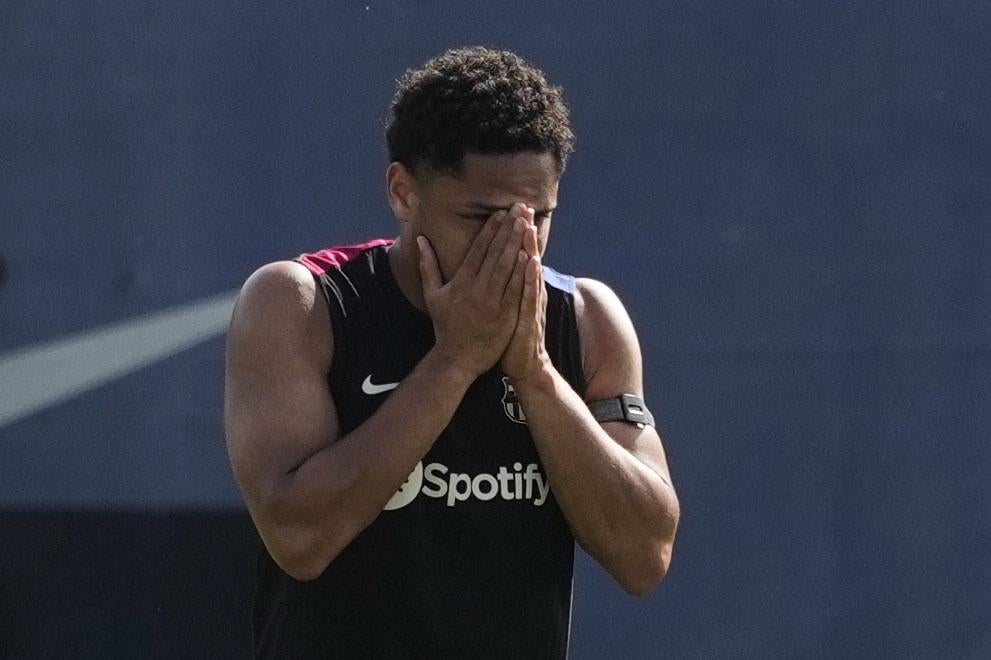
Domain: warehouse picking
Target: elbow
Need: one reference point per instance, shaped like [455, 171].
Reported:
[301, 553]
[304, 573]
[651, 571]
[652, 562]
[302, 545]
[303, 569]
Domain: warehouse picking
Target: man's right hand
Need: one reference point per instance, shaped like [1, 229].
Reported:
[475, 314]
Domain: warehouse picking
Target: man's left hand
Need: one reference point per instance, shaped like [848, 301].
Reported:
[526, 356]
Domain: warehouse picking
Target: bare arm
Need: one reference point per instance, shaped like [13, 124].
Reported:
[627, 522]
[309, 491]
[611, 480]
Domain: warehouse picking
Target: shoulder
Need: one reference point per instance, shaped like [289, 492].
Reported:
[280, 303]
[278, 290]
[610, 349]
[598, 307]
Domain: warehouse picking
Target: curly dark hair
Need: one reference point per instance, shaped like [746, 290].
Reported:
[476, 100]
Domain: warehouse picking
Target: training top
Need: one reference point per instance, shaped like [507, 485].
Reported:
[472, 557]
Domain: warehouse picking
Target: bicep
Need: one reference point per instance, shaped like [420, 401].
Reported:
[613, 364]
[278, 406]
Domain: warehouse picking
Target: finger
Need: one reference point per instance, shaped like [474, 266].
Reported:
[480, 245]
[429, 270]
[507, 260]
[541, 311]
[517, 210]
[530, 241]
[514, 288]
[495, 250]
[530, 300]
[528, 213]
[542, 290]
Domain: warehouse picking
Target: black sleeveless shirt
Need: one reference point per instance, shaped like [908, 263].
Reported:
[472, 557]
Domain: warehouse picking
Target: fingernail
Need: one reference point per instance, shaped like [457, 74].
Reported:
[519, 224]
[420, 241]
[521, 256]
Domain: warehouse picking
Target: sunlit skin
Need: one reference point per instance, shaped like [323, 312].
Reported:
[450, 210]
[628, 525]
[311, 490]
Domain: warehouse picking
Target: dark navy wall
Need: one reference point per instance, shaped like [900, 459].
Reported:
[791, 198]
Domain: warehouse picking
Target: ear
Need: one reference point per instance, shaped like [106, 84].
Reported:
[402, 191]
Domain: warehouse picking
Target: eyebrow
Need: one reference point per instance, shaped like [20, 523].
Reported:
[492, 209]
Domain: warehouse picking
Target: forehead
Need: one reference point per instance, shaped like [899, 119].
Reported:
[501, 179]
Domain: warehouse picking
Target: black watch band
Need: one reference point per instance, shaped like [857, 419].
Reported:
[624, 408]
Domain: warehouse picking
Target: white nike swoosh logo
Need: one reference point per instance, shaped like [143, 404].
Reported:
[368, 388]
[36, 377]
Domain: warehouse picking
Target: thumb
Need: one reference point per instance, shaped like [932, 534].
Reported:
[429, 270]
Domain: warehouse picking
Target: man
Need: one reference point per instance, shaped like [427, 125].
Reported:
[411, 421]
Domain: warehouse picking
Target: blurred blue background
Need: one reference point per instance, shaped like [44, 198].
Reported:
[792, 199]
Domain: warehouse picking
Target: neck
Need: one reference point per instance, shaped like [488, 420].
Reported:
[405, 265]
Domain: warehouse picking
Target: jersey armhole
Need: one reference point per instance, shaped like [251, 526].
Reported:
[338, 354]
[568, 285]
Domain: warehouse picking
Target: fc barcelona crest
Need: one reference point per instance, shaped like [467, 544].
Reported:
[511, 403]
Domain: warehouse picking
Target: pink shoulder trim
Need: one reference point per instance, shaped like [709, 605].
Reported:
[335, 257]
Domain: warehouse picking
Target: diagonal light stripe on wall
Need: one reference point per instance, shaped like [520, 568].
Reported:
[36, 377]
